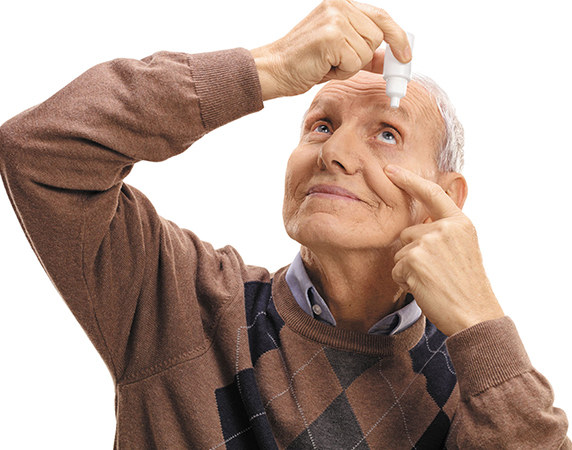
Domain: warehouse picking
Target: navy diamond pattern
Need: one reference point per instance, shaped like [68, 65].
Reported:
[242, 418]
[430, 358]
[264, 323]
[436, 434]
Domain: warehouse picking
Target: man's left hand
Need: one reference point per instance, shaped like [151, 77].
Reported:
[440, 262]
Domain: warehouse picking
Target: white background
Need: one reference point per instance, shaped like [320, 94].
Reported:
[505, 64]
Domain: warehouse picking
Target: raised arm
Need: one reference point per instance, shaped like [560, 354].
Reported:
[100, 241]
[127, 274]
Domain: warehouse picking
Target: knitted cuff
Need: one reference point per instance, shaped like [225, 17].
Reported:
[487, 355]
[227, 85]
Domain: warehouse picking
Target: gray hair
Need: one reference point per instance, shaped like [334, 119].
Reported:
[450, 157]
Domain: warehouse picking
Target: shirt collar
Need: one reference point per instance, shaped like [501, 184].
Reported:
[306, 294]
[311, 302]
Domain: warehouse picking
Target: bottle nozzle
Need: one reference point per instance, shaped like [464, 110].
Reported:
[396, 75]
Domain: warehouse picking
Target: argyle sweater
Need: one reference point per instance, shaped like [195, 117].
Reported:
[205, 351]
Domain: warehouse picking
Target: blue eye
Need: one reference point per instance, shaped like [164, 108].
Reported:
[322, 128]
[387, 137]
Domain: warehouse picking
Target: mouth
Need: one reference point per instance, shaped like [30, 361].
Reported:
[333, 192]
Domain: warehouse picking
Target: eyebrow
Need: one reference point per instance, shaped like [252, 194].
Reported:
[328, 103]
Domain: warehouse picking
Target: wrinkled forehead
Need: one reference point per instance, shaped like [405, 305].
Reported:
[365, 91]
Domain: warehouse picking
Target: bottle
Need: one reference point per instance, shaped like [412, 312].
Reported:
[396, 75]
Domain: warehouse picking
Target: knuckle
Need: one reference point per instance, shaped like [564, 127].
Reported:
[444, 226]
[376, 40]
[429, 240]
[333, 7]
[415, 254]
[381, 13]
[330, 33]
[337, 20]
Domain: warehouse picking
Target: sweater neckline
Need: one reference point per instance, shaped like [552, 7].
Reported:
[353, 341]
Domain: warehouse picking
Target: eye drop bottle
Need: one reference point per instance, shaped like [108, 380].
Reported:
[396, 75]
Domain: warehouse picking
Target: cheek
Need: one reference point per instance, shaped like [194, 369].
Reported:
[396, 210]
[296, 173]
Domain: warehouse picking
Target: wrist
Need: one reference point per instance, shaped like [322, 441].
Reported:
[493, 311]
[263, 60]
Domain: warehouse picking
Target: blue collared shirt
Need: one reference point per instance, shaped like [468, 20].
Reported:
[313, 304]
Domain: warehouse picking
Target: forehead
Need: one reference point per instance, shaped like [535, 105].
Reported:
[365, 92]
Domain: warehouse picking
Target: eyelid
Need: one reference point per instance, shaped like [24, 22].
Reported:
[313, 116]
[384, 125]
[312, 124]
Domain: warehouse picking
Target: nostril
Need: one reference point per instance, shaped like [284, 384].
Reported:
[339, 164]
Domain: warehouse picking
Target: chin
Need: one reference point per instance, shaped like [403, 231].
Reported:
[326, 231]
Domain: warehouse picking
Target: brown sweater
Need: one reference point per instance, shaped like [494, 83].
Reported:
[205, 351]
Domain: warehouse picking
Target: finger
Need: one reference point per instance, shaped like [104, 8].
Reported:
[365, 27]
[432, 196]
[414, 232]
[376, 64]
[393, 33]
[349, 63]
[404, 251]
[356, 44]
[400, 274]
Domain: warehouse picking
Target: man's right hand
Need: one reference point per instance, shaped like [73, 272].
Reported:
[336, 40]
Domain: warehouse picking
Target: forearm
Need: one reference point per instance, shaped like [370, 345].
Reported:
[505, 402]
[85, 136]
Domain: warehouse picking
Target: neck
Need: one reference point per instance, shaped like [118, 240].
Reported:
[356, 285]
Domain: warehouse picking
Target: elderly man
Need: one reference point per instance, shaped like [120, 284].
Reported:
[345, 348]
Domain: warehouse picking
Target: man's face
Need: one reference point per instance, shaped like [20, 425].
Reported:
[337, 194]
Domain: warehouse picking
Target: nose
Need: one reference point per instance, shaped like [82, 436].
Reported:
[341, 152]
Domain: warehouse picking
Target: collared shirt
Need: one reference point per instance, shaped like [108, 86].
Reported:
[312, 303]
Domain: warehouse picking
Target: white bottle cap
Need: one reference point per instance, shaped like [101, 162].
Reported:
[396, 75]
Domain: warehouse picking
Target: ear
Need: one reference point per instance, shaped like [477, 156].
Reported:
[455, 185]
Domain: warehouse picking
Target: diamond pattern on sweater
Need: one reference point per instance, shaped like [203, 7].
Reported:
[264, 323]
[430, 358]
[436, 434]
[392, 383]
[336, 428]
[242, 416]
[348, 366]
[356, 400]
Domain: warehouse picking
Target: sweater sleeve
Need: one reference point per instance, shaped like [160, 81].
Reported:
[505, 403]
[130, 277]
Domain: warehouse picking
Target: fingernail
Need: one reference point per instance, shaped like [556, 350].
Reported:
[391, 169]
[407, 55]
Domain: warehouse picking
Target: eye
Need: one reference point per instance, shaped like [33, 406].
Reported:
[322, 128]
[387, 137]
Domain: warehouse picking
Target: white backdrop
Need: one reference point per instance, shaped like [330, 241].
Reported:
[504, 64]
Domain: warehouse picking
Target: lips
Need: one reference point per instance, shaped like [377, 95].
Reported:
[329, 190]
